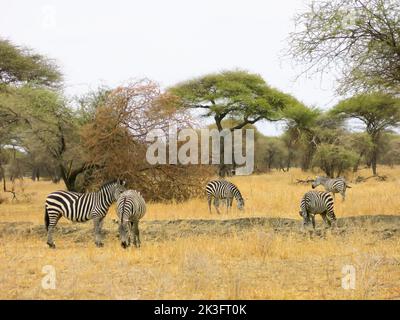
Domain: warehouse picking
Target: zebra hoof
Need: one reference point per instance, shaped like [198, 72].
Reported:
[99, 244]
[51, 245]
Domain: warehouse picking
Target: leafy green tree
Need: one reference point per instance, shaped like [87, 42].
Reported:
[358, 38]
[300, 122]
[391, 156]
[22, 71]
[45, 121]
[20, 66]
[88, 103]
[377, 111]
[275, 153]
[334, 160]
[360, 143]
[237, 95]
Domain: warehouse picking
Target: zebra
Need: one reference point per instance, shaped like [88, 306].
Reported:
[317, 202]
[131, 207]
[225, 190]
[337, 185]
[81, 207]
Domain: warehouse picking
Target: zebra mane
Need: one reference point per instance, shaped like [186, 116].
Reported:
[238, 195]
[109, 183]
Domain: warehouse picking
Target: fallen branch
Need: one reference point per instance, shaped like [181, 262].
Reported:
[307, 181]
[360, 179]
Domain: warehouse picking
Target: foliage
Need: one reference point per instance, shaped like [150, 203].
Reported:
[115, 142]
[360, 39]
[238, 95]
[377, 111]
[20, 66]
[334, 159]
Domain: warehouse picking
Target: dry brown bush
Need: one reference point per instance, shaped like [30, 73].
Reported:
[116, 145]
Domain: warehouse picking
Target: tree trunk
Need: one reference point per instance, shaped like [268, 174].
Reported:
[289, 161]
[357, 164]
[374, 157]
[222, 170]
[374, 162]
[70, 178]
[222, 167]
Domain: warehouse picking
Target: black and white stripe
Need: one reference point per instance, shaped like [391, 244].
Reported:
[81, 207]
[223, 190]
[317, 202]
[131, 207]
[337, 185]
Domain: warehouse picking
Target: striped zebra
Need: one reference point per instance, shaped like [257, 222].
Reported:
[81, 207]
[130, 209]
[317, 202]
[337, 185]
[223, 190]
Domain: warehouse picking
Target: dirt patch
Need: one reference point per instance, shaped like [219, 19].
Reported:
[384, 226]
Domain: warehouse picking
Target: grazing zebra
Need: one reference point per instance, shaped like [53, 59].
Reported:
[223, 190]
[337, 185]
[81, 207]
[130, 209]
[317, 202]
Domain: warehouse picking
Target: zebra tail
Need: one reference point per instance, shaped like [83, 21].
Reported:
[46, 218]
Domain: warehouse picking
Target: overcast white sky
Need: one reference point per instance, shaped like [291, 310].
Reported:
[109, 42]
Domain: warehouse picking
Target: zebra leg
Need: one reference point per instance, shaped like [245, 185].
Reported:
[216, 205]
[343, 193]
[101, 224]
[229, 204]
[136, 237]
[332, 219]
[209, 204]
[123, 236]
[97, 231]
[52, 222]
[131, 233]
[326, 220]
[313, 221]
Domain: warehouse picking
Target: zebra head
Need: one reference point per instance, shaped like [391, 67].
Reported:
[318, 180]
[114, 189]
[306, 217]
[304, 213]
[119, 188]
[240, 203]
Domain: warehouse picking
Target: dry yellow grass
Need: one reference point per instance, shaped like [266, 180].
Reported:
[258, 262]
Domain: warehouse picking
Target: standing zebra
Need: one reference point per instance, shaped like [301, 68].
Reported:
[317, 202]
[223, 190]
[337, 185]
[81, 207]
[130, 209]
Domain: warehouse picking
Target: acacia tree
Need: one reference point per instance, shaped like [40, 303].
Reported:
[44, 120]
[20, 65]
[301, 122]
[361, 143]
[24, 78]
[377, 111]
[237, 95]
[358, 38]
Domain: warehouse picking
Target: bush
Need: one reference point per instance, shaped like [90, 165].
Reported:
[334, 160]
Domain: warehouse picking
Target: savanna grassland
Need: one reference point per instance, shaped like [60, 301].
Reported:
[186, 253]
